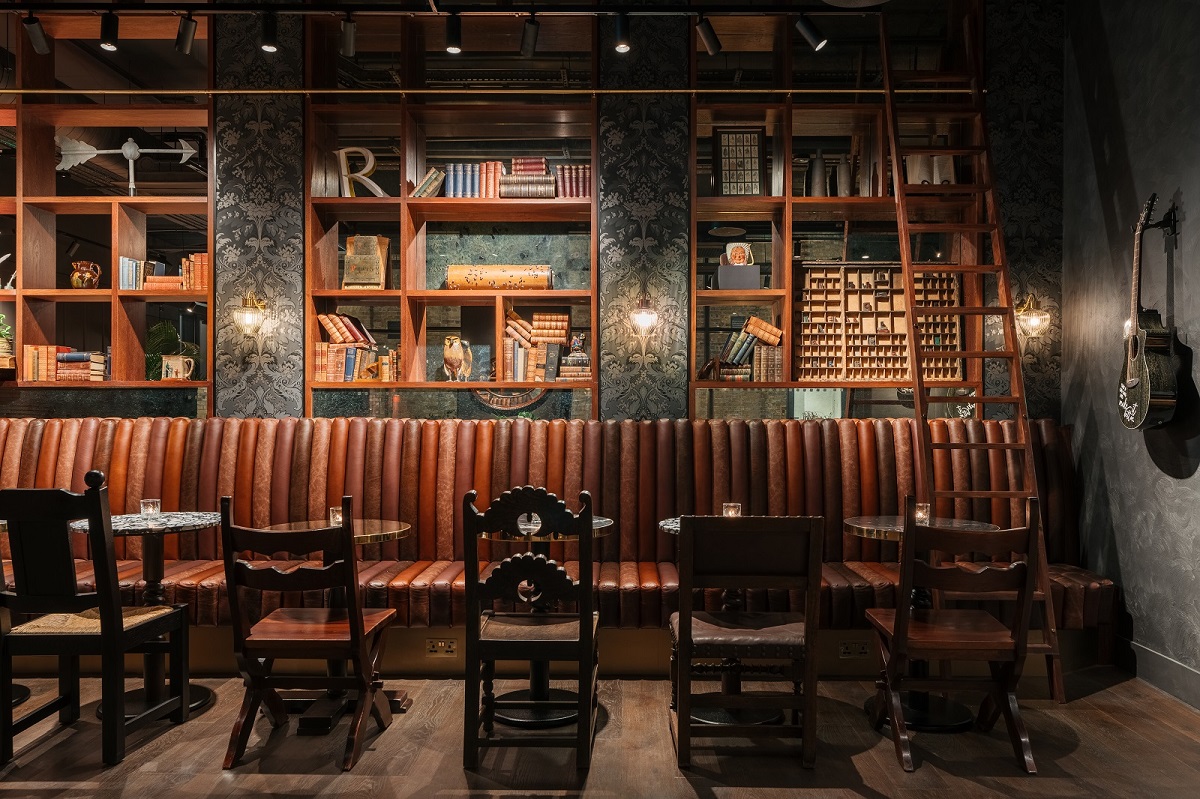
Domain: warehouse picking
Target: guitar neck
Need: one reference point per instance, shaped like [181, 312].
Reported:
[1135, 296]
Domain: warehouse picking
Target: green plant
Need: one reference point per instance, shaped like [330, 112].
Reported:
[6, 330]
[163, 339]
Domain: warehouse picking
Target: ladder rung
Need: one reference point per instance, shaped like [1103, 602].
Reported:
[994, 400]
[960, 310]
[966, 269]
[946, 188]
[944, 354]
[942, 149]
[977, 445]
[980, 494]
[951, 227]
[929, 76]
[929, 111]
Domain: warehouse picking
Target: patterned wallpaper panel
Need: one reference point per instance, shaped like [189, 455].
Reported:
[1024, 59]
[644, 220]
[259, 222]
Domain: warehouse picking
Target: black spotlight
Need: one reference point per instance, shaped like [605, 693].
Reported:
[37, 34]
[816, 40]
[110, 26]
[186, 34]
[622, 33]
[704, 30]
[270, 33]
[349, 28]
[453, 34]
[529, 36]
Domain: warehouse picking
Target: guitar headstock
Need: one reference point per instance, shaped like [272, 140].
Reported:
[1147, 212]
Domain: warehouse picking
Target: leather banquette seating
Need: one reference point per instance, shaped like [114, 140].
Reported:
[637, 472]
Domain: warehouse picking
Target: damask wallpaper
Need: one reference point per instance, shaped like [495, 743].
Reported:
[1131, 122]
[644, 220]
[1024, 61]
[259, 220]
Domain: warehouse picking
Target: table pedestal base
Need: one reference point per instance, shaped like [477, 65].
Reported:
[735, 715]
[20, 693]
[200, 698]
[538, 718]
[930, 712]
[320, 711]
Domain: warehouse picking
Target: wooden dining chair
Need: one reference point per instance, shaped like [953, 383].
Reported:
[553, 618]
[341, 632]
[1001, 564]
[69, 623]
[777, 553]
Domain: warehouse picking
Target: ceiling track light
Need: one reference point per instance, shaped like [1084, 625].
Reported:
[704, 30]
[349, 29]
[186, 34]
[454, 34]
[529, 36]
[110, 29]
[622, 45]
[816, 40]
[37, 34]
[270, 32]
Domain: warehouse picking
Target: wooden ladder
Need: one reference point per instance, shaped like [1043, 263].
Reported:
[965, 217]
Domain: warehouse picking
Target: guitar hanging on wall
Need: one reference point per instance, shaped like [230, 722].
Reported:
[1147, 392]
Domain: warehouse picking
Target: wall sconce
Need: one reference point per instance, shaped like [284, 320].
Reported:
[643, 317]
[249, 316]
[1032, 319]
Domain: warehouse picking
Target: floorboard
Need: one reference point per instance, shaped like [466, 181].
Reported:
[1117, 737]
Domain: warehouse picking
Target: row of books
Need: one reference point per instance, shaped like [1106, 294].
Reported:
[345, 363]
[739, 349]
[537, 364]
[345, 329]
[135, 275]
[529, 179]
[573, 180]
[48, 363]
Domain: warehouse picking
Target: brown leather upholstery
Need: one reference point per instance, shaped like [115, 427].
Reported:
[637, 473]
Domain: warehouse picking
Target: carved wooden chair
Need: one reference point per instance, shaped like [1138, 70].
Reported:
[781, 553]
[74, 623]
[928, 561]
[343, 632]
[553, 620]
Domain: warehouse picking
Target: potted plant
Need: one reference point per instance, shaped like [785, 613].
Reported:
[6, 337]
[163, 339]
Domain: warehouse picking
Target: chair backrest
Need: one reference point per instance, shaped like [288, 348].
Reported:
[779, 552]
[42, 559]
[338, 571]
[552, 583]
[929, 560]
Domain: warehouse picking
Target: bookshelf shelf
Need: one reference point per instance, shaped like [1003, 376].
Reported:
[505, 209]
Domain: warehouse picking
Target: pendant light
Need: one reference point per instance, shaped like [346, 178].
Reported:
[110, 25]
[453, 34]
[186, 34]
[704, 30]
[529, 36]
[270, 33]
[37, 34]
[622, 33]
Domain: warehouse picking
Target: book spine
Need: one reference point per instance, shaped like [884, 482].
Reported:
[742, 356]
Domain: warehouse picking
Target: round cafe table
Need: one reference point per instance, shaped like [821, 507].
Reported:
[539, 670]
[152, 528]
[320, 711]
[923, 712]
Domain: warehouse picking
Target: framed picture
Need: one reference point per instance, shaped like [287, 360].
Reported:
[739, 162]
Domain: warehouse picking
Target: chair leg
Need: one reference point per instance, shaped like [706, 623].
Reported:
[674, 675]
[358, 725]
[179, 673]
[583, 727]
[242, 725]
[1055, 676]
[683, 713]
[989, 709]
[6, 708]
[381, 710]
[68, 686]
[879, 707]
[489, 697]
[471, 715]
[112, 701]
[808, 747]
[899, 730]
[1016, 727]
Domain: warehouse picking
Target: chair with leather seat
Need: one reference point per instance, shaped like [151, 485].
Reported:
[781, 554]
[552, 617]
[1002, 564]
[342, 632]
[70, 623]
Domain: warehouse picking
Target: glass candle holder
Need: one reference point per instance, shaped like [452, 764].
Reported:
[335, 516]
[731, 509]
[151, 507]
[922, 514]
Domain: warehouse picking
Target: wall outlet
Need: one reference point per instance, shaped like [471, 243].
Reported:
[441, 647]
[853, 649]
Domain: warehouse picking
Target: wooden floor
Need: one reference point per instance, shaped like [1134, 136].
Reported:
[1116, 737]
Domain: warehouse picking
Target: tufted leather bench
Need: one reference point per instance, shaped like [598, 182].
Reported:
[637, 472]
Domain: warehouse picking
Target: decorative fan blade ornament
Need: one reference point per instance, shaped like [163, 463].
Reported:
[75, 152]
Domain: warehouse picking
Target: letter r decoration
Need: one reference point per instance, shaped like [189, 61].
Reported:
[362, 176]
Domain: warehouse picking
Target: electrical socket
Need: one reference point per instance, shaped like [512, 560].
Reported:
[441, 647]
[853, 649]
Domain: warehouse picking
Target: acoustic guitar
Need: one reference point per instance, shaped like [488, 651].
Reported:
[1147, 392]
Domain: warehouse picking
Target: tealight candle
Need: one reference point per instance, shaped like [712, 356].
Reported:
[335, 516]
[922, 514]
[731, 509]
[151, 507]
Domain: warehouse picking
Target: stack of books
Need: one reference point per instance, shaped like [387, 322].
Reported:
[767, 364]
[529, 179]
[751, 353]
[344, 329]
[135, 275]
[80, 367]
[345, 363]
[431, 184]
[551, 328]
[573, 180]
[195, 271]
[518, 341]
[736, 374]
[47, 363]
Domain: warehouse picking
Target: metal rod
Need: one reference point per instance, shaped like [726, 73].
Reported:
[450, 90]
[419, 8]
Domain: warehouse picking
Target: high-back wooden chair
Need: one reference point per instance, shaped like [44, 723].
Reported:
[781, 553]
[340, 632]
[928, 561]
[71, 623]
[553, 617]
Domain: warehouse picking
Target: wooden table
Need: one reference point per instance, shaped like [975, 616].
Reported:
[152, 528]
[923, 711]
[321, 710]
[539, 670]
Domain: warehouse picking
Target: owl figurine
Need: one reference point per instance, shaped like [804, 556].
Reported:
[456, 358]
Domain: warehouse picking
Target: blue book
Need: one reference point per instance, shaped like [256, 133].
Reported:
[348, 375]
[474, 180]
[458, 181]
[742, 356]
[74, 357]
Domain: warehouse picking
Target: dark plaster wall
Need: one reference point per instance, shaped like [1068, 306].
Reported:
[259, 219]
[1131, 122]
[1024, 65]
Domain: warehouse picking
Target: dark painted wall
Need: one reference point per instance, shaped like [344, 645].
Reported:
[1131, 124]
